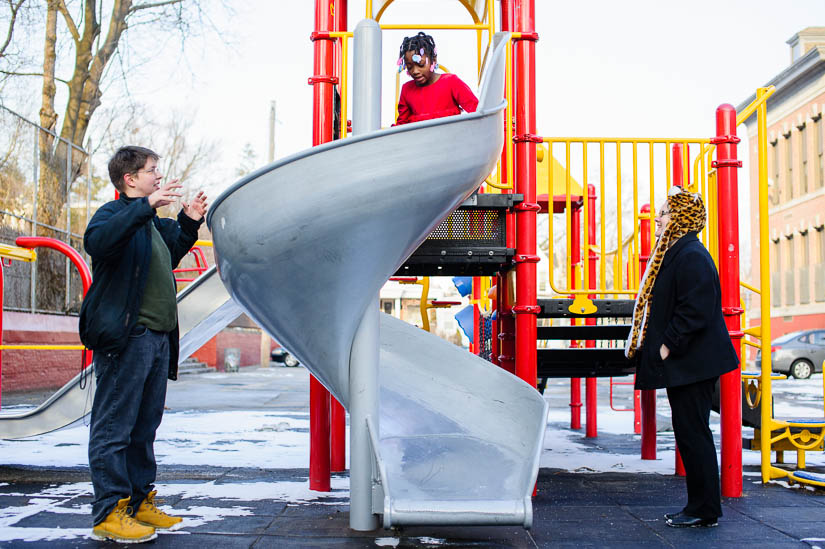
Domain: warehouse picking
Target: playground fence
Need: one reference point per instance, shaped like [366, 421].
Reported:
[19, 172]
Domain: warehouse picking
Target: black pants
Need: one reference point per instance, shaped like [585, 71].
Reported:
[690, 405]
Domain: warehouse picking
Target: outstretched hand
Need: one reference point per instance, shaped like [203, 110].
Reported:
[196, 209]
[165, 195]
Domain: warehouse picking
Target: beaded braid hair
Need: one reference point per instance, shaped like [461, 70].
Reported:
[420, 41]
[687, 214]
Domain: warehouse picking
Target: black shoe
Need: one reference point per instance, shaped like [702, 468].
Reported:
[682, 520]
[670, 516]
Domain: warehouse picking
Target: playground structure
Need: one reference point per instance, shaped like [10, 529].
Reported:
[389, 476]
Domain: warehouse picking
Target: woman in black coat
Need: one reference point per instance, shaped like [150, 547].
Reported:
[680, 342]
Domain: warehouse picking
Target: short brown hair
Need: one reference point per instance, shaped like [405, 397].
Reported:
[128, 159]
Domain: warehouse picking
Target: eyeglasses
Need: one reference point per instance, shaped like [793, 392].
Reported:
[155, 171]
[663, 213]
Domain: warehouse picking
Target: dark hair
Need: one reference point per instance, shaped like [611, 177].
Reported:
[416, 43]
[128, 159]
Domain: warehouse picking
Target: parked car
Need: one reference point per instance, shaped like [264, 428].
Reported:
[282, 355]
[799, 354]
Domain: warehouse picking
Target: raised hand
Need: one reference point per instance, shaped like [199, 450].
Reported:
[196, 209]
[165, 195]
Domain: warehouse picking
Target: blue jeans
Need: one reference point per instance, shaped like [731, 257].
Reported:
[126, 413]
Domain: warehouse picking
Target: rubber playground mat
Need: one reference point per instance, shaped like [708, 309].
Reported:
[570, 510]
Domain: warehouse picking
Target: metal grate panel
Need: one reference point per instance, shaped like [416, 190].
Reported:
[471, 224]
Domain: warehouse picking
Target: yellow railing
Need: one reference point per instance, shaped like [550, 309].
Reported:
[644, 165]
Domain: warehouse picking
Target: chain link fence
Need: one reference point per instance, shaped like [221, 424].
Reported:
[51, 284]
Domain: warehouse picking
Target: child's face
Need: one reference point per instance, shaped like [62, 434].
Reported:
[419, 70]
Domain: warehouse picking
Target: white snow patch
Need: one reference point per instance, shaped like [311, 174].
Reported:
[387, 542]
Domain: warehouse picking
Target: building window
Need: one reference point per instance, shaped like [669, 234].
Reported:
[803, 160]
[819, 267]
[790, 273]
[788, 168]
[804, 269]
[774, 194]
[819, 148]
[776, 273]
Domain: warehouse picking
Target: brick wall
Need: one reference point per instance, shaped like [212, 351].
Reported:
[28, 370]
[35, 370]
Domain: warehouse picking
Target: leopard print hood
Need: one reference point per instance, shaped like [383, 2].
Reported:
[687, 215]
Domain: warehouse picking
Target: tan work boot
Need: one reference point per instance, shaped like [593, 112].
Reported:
[149, 515]
[121, 527]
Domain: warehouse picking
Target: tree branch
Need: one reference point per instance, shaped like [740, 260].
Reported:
[14, 9]
[67, 17]
[151, 5]
[13, 73]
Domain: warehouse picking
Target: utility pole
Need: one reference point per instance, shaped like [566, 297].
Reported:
[266, 341]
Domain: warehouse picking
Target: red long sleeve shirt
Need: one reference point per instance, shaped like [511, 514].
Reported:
[446, 96]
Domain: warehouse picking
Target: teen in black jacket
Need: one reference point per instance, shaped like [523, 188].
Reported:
[129, 319]
[118, 238]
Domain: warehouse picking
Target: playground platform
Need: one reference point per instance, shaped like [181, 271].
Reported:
[232, 460]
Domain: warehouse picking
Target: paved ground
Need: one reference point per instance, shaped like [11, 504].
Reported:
[570, 509]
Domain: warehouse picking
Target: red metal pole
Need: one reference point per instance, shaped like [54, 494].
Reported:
[338, 436]
[680, 466]
[2, 276]
[322, 81]
[648, 397]
[575, 259]
[526, 307]
[338, 420]
[319, 436]
[62, 247]
[506, 319]
[73, 255]
[476, 343]
[730, 389]
[590, 391]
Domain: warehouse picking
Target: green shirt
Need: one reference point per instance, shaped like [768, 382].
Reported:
[159, 308]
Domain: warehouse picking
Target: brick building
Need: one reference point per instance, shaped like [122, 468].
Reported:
[796, 178]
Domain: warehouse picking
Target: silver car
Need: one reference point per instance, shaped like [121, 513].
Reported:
[799, 354]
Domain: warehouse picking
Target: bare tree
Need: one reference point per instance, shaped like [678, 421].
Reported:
[73, 31]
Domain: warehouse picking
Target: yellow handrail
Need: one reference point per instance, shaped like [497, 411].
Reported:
[17, 253]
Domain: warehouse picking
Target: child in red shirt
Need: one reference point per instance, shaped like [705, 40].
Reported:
[430, 94]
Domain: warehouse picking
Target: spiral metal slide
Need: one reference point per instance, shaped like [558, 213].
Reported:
[204, 309]
[305, 244]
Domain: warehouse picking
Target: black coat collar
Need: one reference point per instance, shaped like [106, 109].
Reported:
[678, 245]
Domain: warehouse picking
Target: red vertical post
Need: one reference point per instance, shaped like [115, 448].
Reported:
[678, 179]
[526, 307]
[680, 466]
[477, 336]
[590, 391]
[648, 396]
[338, 420]
[575, 259]
[730, 390]
[338, 436]
[506, 319]
[2, 276]
[322, 81]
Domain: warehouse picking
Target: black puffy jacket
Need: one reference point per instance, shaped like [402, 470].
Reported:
[119, 240]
